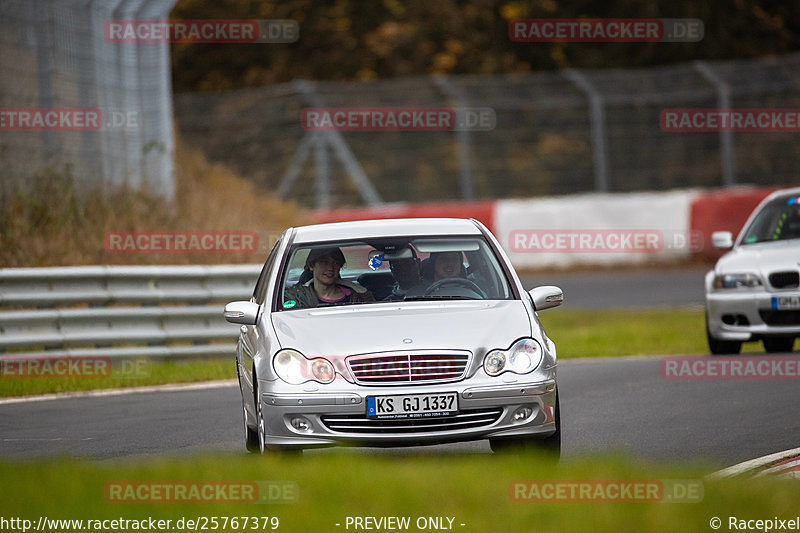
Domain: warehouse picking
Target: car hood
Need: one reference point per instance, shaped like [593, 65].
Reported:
[762, 258]
[477, 326]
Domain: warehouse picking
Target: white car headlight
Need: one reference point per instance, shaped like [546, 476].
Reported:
[293, 367]
[744, 280]
[523, 357]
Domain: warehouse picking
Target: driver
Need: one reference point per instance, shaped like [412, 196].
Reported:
[447, 265]
[408, 279]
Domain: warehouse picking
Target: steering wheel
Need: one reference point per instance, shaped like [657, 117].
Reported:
[455, 281]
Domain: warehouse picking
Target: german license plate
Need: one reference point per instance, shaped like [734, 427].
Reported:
[786, 302]
[412, 405]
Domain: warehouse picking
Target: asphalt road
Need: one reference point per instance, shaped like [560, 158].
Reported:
[619, 404]
[608, 289]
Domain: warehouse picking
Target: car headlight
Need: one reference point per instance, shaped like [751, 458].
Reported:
[523, 357]
[744, 280]
[293, 367]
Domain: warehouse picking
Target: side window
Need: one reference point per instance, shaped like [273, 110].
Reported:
[260, 292]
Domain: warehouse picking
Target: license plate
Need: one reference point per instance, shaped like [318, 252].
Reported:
[412, 405]
[786, 302]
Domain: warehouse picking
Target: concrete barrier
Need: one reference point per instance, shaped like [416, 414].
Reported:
[593, 229]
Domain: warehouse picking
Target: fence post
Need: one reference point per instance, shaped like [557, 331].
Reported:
[598, 125]
[725, 137]
[464, 141]
[322, 172]
[320, 141]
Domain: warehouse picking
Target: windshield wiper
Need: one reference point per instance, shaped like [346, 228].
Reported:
[436, 297]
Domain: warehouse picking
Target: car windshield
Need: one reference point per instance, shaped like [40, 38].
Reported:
[778, 220]
[392, 270]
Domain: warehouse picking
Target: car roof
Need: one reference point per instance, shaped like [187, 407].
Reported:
[782, 192]
[367, 229]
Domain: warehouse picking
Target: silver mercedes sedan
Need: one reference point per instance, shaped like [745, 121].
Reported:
[753, 293]
[395, 333]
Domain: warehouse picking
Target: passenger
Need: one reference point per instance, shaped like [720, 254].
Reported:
[325, 287]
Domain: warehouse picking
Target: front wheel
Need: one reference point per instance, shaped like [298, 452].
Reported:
[261, 433]
[719, 347]
[250, 434]
[251, 439]
[260, 424]
[778, 344]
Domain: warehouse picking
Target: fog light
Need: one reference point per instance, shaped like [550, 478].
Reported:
[523, 413]
[301, 423]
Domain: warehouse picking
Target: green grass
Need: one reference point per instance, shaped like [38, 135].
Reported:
[614, 333]
[124, 373]
[473, 489]
[577, 333]
[602, 333]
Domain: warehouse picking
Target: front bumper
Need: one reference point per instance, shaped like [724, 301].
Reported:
[339, 417]
[750, 315]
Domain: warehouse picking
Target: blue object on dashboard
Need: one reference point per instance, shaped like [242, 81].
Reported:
[376, 262]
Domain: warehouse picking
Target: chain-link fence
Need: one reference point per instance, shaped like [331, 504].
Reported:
[556, 133]
[57, 70]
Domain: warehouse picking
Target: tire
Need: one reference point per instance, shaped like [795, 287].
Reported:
[551, 446]
[250, 435]
[260, 435]
[719, 347]
[261, 427]
[778, 344]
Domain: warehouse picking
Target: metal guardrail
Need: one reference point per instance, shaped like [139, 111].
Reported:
[121, 311]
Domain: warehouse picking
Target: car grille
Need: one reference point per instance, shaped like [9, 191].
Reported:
[469, 419]
[784, 280]
[401, 369]
[780, 318]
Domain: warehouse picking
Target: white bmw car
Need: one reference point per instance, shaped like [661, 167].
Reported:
[395, 332]
[753, 293]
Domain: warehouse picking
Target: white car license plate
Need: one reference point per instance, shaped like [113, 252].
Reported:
[786, 302]
[412, 405]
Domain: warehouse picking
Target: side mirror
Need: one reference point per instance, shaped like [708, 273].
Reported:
[722, 240]
[241, 313]
[546, 296]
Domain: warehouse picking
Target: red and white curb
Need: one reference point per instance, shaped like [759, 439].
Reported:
[784, 465]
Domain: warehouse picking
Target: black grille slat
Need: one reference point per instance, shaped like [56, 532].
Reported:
[780, 317]
[407, 368]
[361, 424]
[785, 280]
